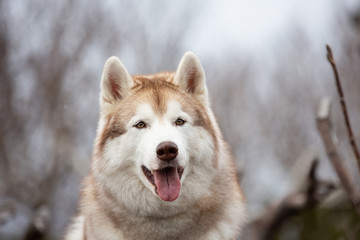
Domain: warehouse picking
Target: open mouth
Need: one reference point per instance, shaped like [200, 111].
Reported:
[166, 181]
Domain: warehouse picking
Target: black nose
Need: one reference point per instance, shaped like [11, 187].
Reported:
[167, 151]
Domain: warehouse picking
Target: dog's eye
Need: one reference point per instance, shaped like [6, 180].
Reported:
[140, 124]
[179, 122]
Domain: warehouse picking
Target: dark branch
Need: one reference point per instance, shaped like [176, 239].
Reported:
[267, 225]
[325, 131]
[343, 105]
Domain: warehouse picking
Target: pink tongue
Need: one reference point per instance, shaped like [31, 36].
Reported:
[168, 184]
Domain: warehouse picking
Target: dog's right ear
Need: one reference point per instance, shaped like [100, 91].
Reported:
[190, 77]
[116, 82]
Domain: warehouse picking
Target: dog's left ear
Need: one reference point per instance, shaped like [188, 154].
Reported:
[190, 77]
[116, 82]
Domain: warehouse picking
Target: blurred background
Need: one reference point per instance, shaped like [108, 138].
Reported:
[266, 70]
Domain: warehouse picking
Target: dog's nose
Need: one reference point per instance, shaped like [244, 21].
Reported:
[167, 151]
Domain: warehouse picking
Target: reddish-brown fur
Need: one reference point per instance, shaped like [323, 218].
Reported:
[155, 89]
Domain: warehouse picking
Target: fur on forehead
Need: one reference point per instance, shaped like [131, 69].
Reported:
[157, 90]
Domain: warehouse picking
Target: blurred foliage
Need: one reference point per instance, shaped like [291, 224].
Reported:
[337, 223]
[51, 56]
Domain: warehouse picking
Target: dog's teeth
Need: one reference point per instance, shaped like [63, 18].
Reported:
[148, 175]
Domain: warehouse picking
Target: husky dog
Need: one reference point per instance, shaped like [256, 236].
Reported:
[160, 168]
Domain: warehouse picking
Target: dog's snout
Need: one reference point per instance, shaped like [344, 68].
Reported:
[167, 151]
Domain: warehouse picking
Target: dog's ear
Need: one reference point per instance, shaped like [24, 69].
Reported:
[116, 82]
[190, 77]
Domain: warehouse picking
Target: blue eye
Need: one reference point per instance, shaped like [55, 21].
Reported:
[140, 124]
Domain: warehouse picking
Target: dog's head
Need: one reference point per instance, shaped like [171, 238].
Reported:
[156, 128]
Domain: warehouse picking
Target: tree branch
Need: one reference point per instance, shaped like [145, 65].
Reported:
[343, 105]
[268, 224]
[325, 130]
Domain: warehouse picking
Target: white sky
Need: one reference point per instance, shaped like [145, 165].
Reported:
[259, 29]
[253, 25]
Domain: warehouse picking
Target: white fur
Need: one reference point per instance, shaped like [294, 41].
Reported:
[77, 229]
[118, 167]
[124, 157]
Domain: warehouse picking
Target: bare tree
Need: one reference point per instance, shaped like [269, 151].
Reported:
[52, 55]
